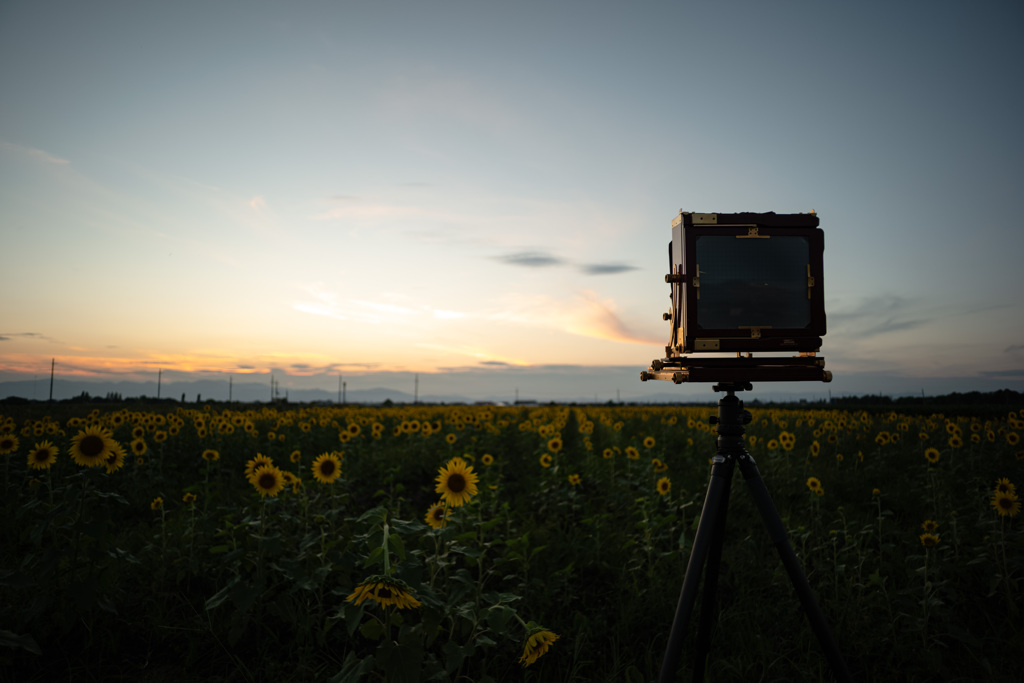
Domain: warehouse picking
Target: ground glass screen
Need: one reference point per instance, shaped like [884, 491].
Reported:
[752, 282]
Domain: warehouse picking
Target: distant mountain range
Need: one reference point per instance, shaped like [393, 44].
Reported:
[250, 392]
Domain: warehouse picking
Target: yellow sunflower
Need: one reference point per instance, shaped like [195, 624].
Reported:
[189, 498]
[326, 468]
[437, 515]
[384, 591]
[487, 459]
[456, 482]
[8, 444]
[555, 444]
[91, 446]
[664, 486]
[546, 460]
[632, 453]
[929, 525]
[42, 456]
[115, 458]
[574, 479]
[537, 644]
[1006, 504]
[932, 454]
[259, 461]
[814, 484]
[649, 442]
[929, 540]
[268, 480]
[1002, 485]
[157, 503]
[209, 455]
[138, 447]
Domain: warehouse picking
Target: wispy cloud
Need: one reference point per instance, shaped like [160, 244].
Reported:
[878, 315]
[606, 268]
[11, 336]
[530, 259]
[36, 154]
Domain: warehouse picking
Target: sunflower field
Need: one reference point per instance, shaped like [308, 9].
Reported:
[226, 542]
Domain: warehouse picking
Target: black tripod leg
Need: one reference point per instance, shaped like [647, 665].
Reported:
[721, 478]
[780, 537]
[709, 600]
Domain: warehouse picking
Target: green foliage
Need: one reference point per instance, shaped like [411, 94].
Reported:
[98, 581]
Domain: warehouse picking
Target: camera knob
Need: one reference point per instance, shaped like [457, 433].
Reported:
[666, 316]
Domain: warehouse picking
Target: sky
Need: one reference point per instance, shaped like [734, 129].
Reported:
[484, 191]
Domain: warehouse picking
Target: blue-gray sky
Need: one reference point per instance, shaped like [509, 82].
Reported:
[352, 187]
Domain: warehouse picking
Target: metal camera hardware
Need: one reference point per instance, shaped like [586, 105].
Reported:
[744, 283]
[741, 283]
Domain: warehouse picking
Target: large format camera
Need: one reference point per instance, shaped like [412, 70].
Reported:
[744, 283]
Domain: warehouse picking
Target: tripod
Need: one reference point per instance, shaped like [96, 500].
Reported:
[707, 544]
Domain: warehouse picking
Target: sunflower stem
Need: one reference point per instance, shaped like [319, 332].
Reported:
[385, 548]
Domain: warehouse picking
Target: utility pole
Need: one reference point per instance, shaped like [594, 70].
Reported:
[416, 390]
[159, 379]
[231, 383]
[339, 388]
[53, 362]
[344, 389]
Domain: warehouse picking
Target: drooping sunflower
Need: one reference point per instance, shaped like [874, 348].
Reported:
[664, 486]
[632, 453]
[91, 446]
[1006, 504]
[658, 465]
[538, 642]
[268, 480]
[42, 456]
[437, 515]
[115, 458]
[384, 591]
[209, 455]
[456, 482]
[932, 455]
[326, 468]
[929, 540]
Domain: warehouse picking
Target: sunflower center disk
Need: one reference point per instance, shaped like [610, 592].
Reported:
[91, 446]
[456, 483]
